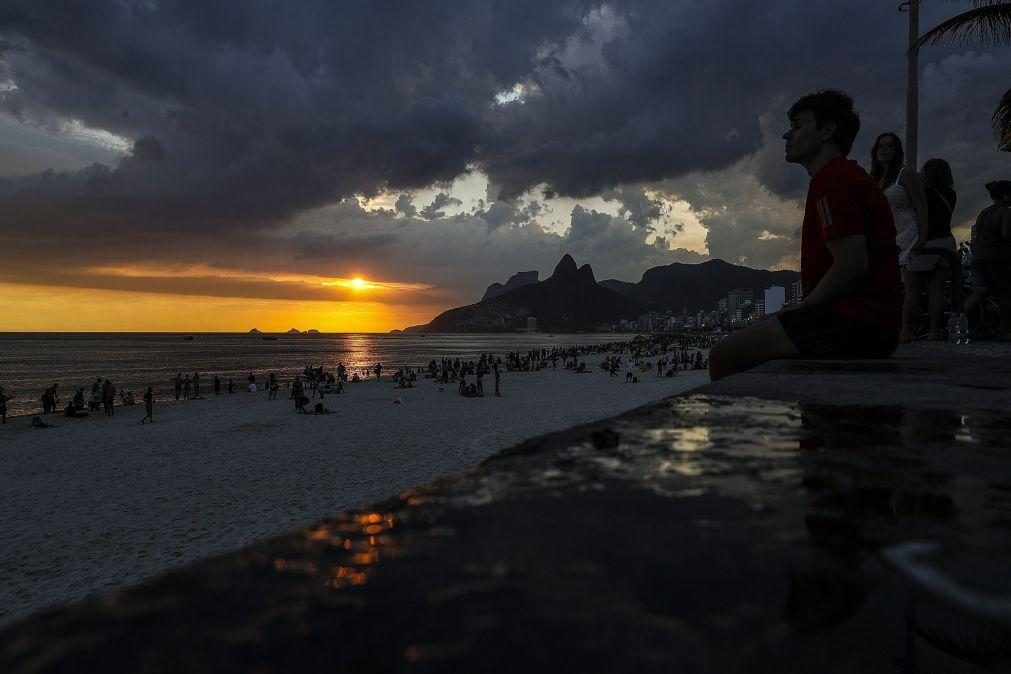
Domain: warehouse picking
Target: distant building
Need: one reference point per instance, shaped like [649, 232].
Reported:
[775, 298]
[531, 324]
[796, 292]
[737, 298]
[646, 323]
[759, 307]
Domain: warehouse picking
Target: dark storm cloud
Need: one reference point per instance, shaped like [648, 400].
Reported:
[242, 116]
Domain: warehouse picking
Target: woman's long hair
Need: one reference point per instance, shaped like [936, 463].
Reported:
[894, 168]
[937, 174]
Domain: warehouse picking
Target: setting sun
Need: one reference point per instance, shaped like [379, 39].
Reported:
[358, 283]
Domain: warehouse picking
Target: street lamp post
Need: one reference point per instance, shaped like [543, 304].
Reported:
[912, 7]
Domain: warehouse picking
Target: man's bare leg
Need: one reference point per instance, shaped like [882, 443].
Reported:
[754, 345]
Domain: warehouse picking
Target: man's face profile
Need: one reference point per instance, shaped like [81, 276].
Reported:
[804, 138]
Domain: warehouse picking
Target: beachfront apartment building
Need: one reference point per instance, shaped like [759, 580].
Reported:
[774, 299]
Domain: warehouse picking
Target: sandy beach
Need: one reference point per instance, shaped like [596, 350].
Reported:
[101, 503]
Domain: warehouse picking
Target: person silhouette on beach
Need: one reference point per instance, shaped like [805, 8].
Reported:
[196, 384]
[148, 405]
[4, 397]
[378, 369]
[498, 380]
[109, 398]
[187, 386]
[178, 383]
[849, 261]
[231, 386]
[217, 385]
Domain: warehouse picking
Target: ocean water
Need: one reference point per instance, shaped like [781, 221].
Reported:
[133, 361]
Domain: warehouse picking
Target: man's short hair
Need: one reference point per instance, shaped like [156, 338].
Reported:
[831, 105]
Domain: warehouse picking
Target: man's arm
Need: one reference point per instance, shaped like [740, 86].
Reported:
[849, 268]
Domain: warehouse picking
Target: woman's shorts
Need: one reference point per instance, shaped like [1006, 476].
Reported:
[926, 263]
[819, 332]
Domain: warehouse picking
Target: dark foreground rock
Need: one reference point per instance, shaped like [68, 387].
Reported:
[806, 517]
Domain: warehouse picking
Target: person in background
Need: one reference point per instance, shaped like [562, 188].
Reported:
[4, 397]
[904, 191]
[931, 269]
[148, 405]
[991, 255]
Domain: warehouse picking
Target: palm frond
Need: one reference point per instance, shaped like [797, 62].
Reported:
[1001, 123]
[988, 23]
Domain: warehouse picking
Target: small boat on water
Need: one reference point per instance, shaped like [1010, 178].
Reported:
[188, 338]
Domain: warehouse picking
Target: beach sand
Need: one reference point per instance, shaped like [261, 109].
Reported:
[100, 503]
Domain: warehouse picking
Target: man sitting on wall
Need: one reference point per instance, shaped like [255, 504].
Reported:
[849, 264]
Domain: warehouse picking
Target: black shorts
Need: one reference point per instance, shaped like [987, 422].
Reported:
[818, 332]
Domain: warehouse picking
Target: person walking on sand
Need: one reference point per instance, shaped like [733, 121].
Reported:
[378, 369]
[849, 260]
[629, 370]
[498, 379]
[178, 382]
[217, 385]
[196, 384]
[187, 386]
[148, 406]
[109, 399]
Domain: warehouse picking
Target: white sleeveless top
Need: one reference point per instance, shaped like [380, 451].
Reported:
[906, 227]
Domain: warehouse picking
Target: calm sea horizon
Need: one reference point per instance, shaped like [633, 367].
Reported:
[132, 361]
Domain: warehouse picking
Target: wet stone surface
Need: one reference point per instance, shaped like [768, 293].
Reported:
[733, 529]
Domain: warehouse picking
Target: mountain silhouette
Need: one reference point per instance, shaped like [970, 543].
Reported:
[517, 280]
[696, 286]
[570, 300]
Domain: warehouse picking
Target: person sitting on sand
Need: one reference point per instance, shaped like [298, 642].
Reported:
[849, 261]
[72, 412]
[78, 399]
[128, 399]
[37, 422]
[318, 408]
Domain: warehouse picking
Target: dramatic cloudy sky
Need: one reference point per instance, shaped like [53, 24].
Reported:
[168, 164]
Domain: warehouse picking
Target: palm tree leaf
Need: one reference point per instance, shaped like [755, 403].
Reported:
[1001, 123]
[988, 23]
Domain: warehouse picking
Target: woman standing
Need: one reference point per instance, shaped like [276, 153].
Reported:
[904, 191]
[939, 188]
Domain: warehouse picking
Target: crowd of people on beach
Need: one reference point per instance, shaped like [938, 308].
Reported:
[672, 353]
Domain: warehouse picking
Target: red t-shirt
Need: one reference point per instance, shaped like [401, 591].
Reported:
[842, 200]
